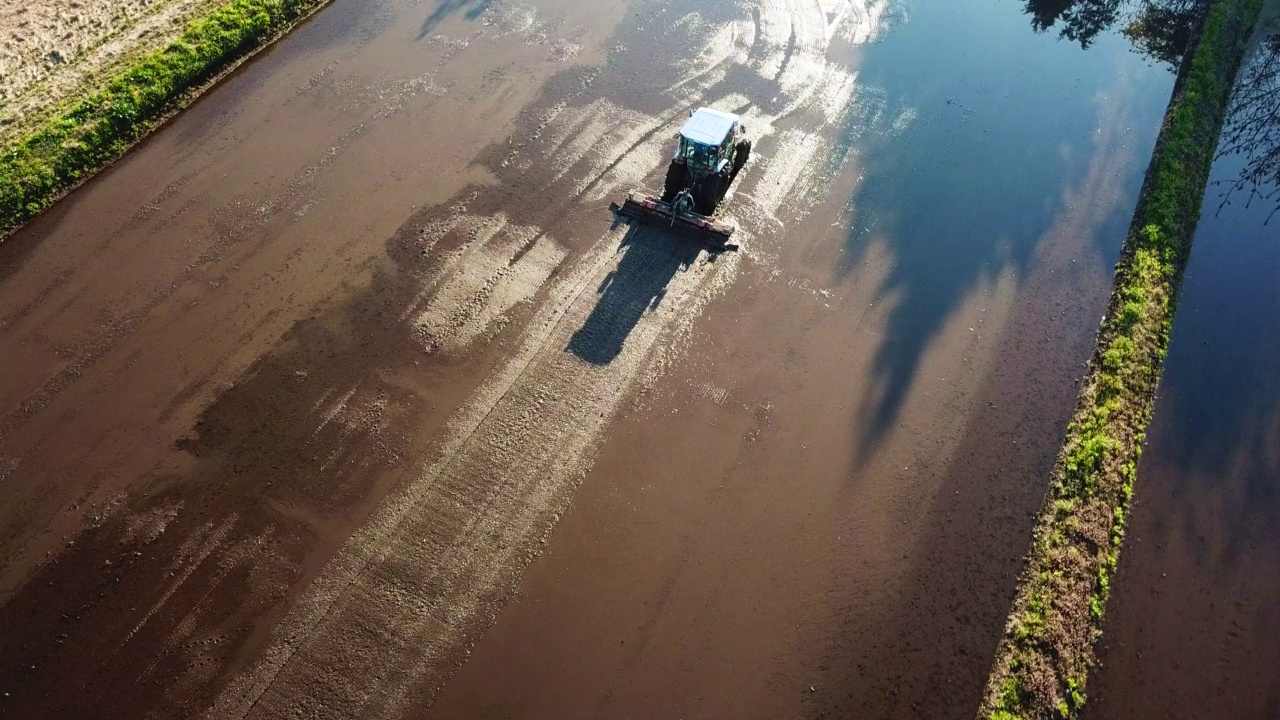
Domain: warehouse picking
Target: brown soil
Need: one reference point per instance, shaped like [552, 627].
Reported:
[729, 556]
[216, 374]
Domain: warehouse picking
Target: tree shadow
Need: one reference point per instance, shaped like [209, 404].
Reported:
[651, 257]
[473, 8]
[975, 164]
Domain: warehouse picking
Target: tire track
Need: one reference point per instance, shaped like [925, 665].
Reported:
[392, 615]
[402, 599]
[502, 267]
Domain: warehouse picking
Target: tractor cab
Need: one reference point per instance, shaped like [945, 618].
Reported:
[707, 141]
[712, 149]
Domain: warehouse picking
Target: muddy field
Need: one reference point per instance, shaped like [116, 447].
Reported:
[344, 395]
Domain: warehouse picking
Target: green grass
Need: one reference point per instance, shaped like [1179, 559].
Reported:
[1044, 658]
[92, 132]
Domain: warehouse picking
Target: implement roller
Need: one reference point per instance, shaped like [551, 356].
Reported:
[680, 216]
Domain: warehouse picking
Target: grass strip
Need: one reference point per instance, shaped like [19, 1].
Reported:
[1043, 659]
[89, 134]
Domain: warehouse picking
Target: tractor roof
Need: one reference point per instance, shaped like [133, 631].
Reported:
[708, 127]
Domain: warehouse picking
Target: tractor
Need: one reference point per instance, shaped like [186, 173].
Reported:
[711, 150]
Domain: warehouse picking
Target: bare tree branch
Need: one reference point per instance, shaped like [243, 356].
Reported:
[1253, 128]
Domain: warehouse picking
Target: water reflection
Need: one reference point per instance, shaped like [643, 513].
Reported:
[1006, 133]
[1252, 131]
[1159, 29]
[1226, 326]
[1080, 20]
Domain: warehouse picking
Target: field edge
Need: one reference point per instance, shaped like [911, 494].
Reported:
[88, 134]
[1047, 649]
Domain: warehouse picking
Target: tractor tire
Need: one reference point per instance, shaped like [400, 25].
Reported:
[707, 193]
[675, 181]
[740, 156]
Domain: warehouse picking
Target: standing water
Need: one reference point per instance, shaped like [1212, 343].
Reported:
[362, 309]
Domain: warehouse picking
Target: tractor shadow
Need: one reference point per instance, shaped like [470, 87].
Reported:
[651, 257]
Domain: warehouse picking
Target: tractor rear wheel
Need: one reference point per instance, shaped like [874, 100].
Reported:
[707, 193]
[740, 155]
[674, 182]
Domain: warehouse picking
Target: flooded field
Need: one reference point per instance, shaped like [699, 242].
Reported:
[344, 394]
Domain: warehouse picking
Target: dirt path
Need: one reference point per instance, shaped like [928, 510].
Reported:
[299, 389]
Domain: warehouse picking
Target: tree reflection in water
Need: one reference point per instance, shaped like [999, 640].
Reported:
[1253, 127]
[1161, 30]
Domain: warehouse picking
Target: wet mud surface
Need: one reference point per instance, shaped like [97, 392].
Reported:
[345, 396]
